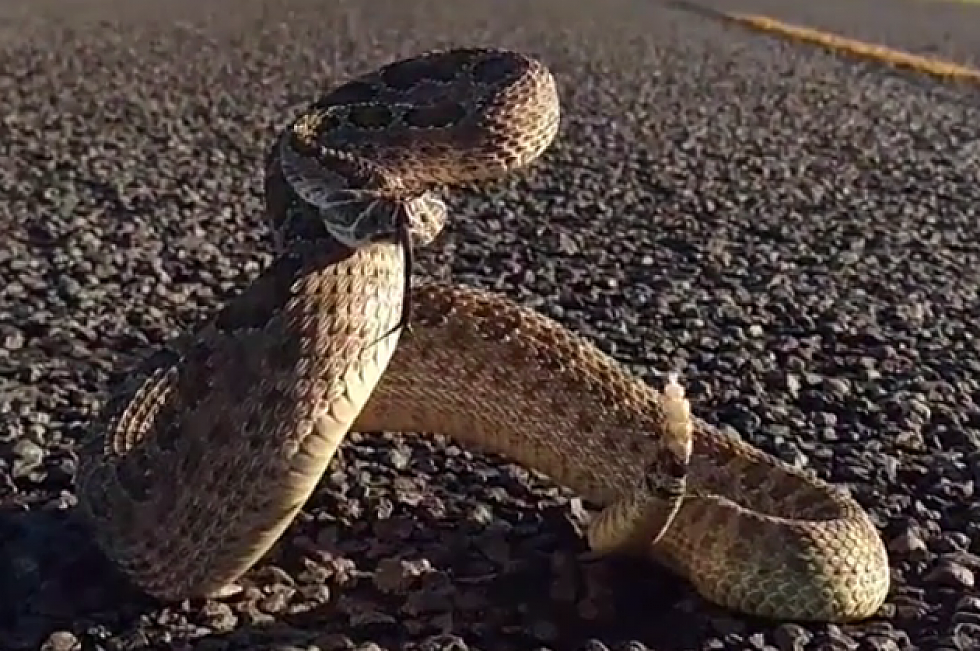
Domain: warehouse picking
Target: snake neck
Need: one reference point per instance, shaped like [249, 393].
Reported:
[307, 203]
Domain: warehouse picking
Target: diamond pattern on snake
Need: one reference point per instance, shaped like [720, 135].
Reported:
[198, 465]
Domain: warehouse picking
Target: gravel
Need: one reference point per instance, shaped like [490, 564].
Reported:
[796, 233]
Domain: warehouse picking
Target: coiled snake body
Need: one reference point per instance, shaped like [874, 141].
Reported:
[197, 467]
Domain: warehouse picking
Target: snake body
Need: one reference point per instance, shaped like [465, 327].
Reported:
[198, 465]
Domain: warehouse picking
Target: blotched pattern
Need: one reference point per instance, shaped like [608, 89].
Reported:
[200, 465]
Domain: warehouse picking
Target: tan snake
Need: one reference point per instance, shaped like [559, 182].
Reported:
[199, 464]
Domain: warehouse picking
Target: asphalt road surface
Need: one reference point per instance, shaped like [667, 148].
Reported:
[796, 232]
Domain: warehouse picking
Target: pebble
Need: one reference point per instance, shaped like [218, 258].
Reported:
[28, 457]
[910, 544]
[791, 637]
[951, 574]
[966, 637]
[61, 641]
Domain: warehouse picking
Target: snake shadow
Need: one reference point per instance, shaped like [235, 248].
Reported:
[53, 578]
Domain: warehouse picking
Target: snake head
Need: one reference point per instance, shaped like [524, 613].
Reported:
[357, 218]
[357, 202]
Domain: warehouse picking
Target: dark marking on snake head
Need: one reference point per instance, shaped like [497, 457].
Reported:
[405, 75]
[438, 115]
[494, 68]
[371, 116]
[357, 91]
[464, 58]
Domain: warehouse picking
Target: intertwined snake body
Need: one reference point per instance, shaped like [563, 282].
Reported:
[198, 466]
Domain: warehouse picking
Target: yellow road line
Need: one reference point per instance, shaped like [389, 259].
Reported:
[897, 58]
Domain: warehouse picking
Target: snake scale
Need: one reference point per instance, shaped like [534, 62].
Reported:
[199, 462]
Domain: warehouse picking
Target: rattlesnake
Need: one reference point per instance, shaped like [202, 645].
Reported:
[197, 466]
